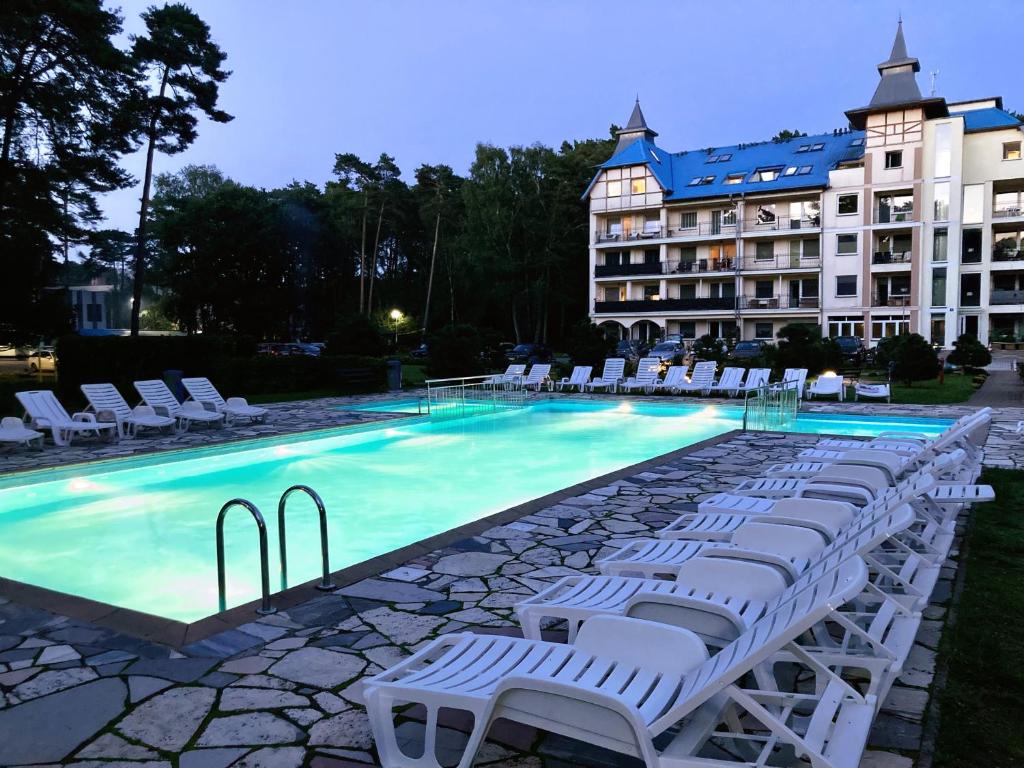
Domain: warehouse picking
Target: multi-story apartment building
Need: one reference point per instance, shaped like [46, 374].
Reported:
[910, 219]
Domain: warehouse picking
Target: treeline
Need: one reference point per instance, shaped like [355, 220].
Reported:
[503, 247]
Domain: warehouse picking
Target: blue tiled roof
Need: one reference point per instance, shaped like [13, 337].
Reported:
[675, 172]
[987, 119]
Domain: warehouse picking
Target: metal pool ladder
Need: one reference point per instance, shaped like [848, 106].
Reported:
[325, 585]
[261, 525]
[771, 406]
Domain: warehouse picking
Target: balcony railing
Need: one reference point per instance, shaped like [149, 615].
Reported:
[890, 299]
[698, 266]
[783, 261]
[666, 305]
[885, 214]
[1007, 210]
[779, 302]
[1003, 296]
[780, 223]
[702, 228]
[1007, 254]
[647, 233]
[625, 270]
[891, 257]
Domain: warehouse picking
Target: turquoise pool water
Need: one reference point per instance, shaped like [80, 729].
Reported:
[139, 533]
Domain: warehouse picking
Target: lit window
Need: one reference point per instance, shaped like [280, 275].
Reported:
[846, 285]
[734, 178]
[638, 186]
[766, 174]
[847, 204]
[789, 171]
[614, 188]
[804, 170]
[894, 159]
[846, 244]
[1011, 150]
[816, 147]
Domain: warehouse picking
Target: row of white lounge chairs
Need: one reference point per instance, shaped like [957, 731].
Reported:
[110, 416]
[787, 609]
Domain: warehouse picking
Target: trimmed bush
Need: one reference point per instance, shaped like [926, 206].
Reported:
[707, 347]
[909, 358]
[969, 352]
[801, 346]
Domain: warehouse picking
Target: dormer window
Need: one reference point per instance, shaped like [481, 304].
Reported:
[816, 147]
[719, 158]
[766, 174]
[804, 170]
[700, 181]
[789, 171]
[724, 158]
[803, 148]
[735, 178]
[857, 142]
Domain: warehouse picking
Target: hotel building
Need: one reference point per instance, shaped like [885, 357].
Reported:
[910, 219]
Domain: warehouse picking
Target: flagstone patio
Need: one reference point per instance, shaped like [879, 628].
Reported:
[285, 690]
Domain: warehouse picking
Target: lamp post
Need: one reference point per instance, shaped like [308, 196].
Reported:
[396, 318]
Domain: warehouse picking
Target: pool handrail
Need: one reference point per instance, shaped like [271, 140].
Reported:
[265, 607]
[325, 585]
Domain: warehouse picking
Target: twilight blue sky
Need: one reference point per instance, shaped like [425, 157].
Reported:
[426, 80]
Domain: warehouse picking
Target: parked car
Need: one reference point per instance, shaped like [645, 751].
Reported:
[277, 349]
[422, 351]
[666, 351]
[744, 350]
[308, 349]
[42, 359]
[852, 349]
[529, 353]
[628, 349]
[13, 351]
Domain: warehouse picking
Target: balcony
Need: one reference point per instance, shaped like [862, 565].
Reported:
[783, 261]
[1008, 210]
[666, 305]
[779, 302]
[781, 224]
[891, 257]
[890, 299]
[703, 229]
[888, 215]
[699, 266]
[647, 233]
[1007, 254]
[1002, 296]
[626, 270]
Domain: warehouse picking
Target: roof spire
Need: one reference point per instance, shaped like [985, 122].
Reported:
[636, 128]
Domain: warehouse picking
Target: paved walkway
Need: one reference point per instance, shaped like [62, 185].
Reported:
[285, 690]
[1002, 389]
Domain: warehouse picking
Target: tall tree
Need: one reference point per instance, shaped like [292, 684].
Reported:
[183, 66]
[62, 81]
[437, 188]
[387, 184]
[358, 175]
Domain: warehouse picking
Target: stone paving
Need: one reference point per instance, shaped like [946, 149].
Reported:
[285, 690]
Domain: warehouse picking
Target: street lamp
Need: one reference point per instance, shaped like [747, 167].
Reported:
[396, 317]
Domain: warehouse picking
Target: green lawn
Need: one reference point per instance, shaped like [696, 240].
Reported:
[982, 705]
[956, 388]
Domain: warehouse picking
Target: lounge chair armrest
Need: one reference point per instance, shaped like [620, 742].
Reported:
[161, 410]
[208, 405]
[143, 410]
[236, 401]
[850, 493]
[83, 416]
[709, 621]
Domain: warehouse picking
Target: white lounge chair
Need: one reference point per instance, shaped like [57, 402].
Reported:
[14, 431]
[729, 382]
[675, 377]
[157, 396]
[627, 684]
[799, 375]
[512, 373]
[107, 403]
[756, 378]
[872, 391]
[702, 379]
[202, 391]
[580, 376]
[827, 386]
[647, 371]
[44, 412]
[610, 377]
[892, 464]
[538, 376]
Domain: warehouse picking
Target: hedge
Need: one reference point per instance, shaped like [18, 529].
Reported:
[229, 362]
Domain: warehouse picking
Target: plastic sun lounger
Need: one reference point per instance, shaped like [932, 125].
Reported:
[647, 371]
[610, 377]
[825, 386]
[106, 402]
[730, 381]
[580, 376]
[202, 391]
[538, 376]
[675, 376]
[157, 396]
[14, 431]
[702, 379]
[872, 391]
[626, 682]
[512, 373]
[798, 375]
[892, 464]
[45, 412]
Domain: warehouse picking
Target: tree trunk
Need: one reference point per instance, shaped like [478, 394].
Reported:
[140, 246]
[430, 276]
[362, 258]
[373, 261]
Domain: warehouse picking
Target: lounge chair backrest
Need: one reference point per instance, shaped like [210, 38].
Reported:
[580, 374]
[731, 377]
[43, 407]
[704, 372]
[202, 390]
[538, 373]
[764, 638]
[157, 395]
[613, 368]
[799, 375]
[648, 368]
[757, 377]
[515, 370]
[676, 375]
[105, 397]
[828, 384]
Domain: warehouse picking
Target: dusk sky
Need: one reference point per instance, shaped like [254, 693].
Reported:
[427, 81]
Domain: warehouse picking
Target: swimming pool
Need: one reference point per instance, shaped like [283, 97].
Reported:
[139, 533]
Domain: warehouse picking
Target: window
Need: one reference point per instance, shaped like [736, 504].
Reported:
[725, 158]
[651, 293]
[616, 258]
[804, 170]
[857, 142]
[1007, 204]
[687, 329]
[970, 289]
[970, 250]
[615, 225]
[974, 196]
[846, 285]
[939, 287]
[614, 188]
[789, 171]
[803, 148]
[846, 244]
[938, 330]
[638, 186]
[766, 174]
[766, 214]
[812, 248]
[940, 244]
[651, 256]
[688, 220]
[942, 201]
[845, 326]
[893, 208]
[943, 149]
[764, 252]
[94, 312]
[613, 293]
[700, 181]
[652, 224]
[816, 147]
[729, 217]
[763, 330]
[894, 158]
[848, 204]
[884, 326]
[1011, 150]
[763, 289]
[734, 178]
[688, 291]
